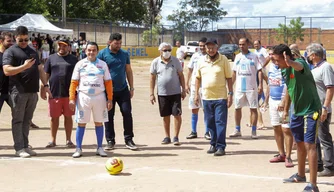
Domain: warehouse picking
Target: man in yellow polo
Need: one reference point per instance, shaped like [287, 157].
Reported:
[213, 72]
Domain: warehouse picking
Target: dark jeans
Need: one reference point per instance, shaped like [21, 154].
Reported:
[215, 114]
[124, 102]
[23, 106]
[326, 141]
[3, 98]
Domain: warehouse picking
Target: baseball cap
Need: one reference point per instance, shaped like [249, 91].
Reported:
[211, 40]
[64, 41]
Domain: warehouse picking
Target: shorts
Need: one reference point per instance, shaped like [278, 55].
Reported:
[191, 99]
[275, 115]
[97, 104]
[170, 105]
[305, 128]
[59, 106]
[248, 98]
[45, 54]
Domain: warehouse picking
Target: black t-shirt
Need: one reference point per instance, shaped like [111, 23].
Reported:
[60, 70]
[4, 80]
[28, 80]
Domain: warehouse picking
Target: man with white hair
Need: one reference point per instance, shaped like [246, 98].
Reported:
[167, 71]
[323, 75]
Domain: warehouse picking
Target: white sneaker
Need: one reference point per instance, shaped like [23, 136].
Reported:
[253, 135]
[30, 152]
[77, 153]
[235, 133]
[101, 152]
[22, 153]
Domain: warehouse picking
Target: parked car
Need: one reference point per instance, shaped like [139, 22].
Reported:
[229, 50]
[191, 48]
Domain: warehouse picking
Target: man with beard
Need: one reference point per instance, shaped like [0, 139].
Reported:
[118, 61]
[59, 68]
[21, 64]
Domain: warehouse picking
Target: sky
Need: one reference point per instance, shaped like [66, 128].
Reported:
[256, 8]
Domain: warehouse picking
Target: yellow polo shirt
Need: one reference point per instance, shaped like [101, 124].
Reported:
[213, 76]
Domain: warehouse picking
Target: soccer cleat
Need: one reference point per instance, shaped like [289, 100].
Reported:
[192, 135]
[131, 145]
[207, 136]
[101, 152]
[235, 133]
[277, 159]
[30, 152]
[110, 145]
[311, 188]
[22, 153]
[295, 178]
[77, 153]
[253, 135]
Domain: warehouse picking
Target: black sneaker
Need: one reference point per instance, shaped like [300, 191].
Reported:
[207, 136]
[311, 188]
[176, 141]
[295, 178]
[131, 145]
[211, 150]
[110, 145]
[166, 140]
[192, 135]
[219, 152]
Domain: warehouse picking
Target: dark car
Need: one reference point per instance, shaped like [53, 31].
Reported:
[229, 50]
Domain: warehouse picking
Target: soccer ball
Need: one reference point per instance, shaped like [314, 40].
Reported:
[114, 165]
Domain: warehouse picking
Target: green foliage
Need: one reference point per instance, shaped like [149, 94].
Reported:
[151, 37]
[292, 32]
[195, 15]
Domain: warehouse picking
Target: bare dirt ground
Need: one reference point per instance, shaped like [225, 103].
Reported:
[154, 167]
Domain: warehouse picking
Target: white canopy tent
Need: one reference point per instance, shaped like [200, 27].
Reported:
[35, 23]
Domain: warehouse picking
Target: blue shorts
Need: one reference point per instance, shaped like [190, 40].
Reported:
[305, 128]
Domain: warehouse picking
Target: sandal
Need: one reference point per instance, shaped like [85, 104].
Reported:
[50, 145]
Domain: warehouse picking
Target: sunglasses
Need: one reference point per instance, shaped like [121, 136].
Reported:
[167, 50]
[25, 40]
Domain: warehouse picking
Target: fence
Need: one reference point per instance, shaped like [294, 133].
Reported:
[227, 30]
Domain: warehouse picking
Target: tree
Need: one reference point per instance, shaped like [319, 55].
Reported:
[154, 9]
[197, 15]
[151, 37]
[292, 32]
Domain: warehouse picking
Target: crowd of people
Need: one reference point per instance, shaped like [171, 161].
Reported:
[299, 94]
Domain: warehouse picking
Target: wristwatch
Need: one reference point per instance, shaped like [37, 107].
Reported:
[325, 108]
[132, 89]
[230, 93]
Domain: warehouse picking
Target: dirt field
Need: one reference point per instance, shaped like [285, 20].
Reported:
[154, 167]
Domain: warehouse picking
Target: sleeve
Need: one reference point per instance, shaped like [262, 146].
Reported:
[257, 63]
[227, 68]
[76, 72]
[328, 76]
[47, 66]
[265, 53]
[153, 69]
[106, 72]
[7, 58]
[73, 87]
[191, 62]
[178, 65]
[100, 55]
[127, 58]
